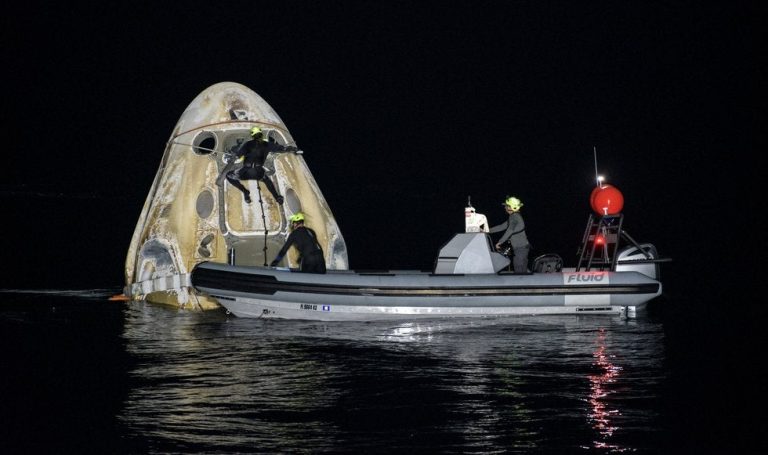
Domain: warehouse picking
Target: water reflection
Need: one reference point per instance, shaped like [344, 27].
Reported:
[208, 382]
[601, 415]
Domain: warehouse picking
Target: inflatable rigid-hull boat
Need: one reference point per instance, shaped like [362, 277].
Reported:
[477, 286]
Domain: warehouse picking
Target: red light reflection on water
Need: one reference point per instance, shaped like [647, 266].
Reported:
[600, 415]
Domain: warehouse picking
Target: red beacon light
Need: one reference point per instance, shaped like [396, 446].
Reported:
[599, 239]
[606, 200]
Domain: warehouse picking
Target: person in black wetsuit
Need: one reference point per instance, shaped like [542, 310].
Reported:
[514, 232]
[311, 259]
[253, 154]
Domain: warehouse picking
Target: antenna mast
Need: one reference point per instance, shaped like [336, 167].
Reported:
[597, 177]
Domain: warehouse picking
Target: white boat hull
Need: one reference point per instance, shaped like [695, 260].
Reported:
[259, 308]
[262, 292]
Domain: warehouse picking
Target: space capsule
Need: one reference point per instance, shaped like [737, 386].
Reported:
[193, 214]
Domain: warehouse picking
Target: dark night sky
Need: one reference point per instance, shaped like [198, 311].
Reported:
[403, 109]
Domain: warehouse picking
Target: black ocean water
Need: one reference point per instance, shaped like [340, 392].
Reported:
[85, 374]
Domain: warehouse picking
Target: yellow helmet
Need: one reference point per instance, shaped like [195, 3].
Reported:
[296, 217]
[257, 133]
[513, 203]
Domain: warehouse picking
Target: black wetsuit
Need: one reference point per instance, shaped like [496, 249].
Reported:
[311, 259]
[514, 231]
[254, 153]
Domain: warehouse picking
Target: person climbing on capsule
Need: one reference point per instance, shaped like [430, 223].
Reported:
[514, 232]
[311, 259]
[253, 153]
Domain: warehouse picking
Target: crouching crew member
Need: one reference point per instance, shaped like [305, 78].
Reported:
[311, 258]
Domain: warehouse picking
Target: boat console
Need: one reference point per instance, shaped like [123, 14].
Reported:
[467, 253]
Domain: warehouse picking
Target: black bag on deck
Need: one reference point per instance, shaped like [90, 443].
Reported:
[547, 263]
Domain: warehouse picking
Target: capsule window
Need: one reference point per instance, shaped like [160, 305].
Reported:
[204, 143]
[204, 204]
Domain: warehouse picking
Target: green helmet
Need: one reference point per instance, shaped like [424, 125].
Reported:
[257, 133]
[513, 203]
[296, 217]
